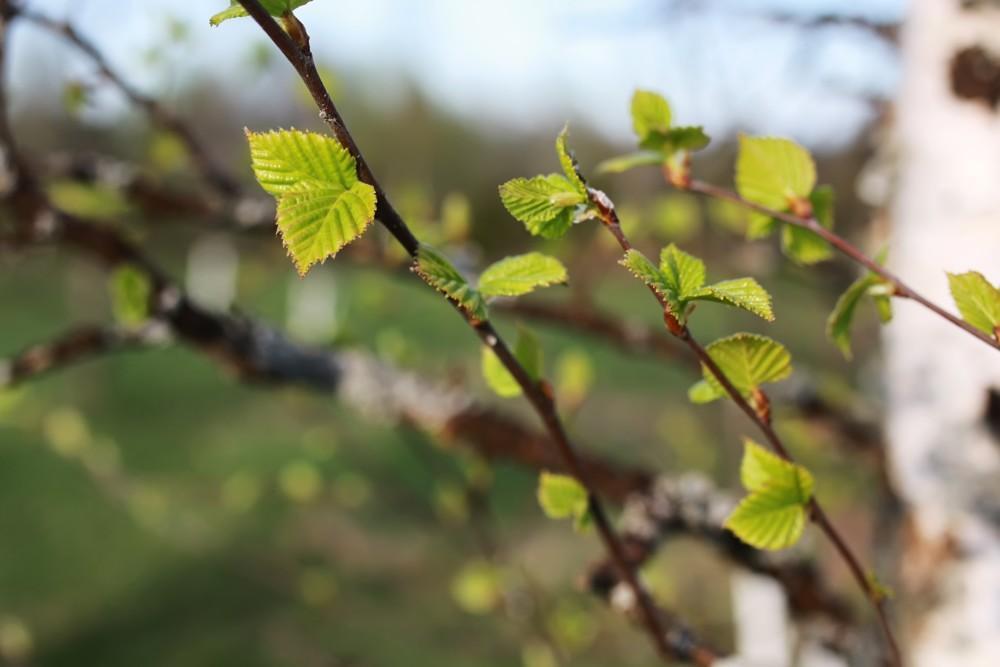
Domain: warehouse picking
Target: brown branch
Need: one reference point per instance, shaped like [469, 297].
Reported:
[609, 218]
[807, 222]
[298, 53]
[217, 177]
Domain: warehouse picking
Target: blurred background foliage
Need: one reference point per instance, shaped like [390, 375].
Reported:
[157, 512]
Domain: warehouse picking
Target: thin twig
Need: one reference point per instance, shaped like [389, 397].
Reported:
[609, 218]
[160, 115]
[299, 55]
[900, 289]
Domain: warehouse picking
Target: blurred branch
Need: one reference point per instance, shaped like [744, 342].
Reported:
[158, 114]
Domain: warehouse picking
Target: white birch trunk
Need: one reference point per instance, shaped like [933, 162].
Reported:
[944, 459]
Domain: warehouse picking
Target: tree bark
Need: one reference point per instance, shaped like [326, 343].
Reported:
[944, 453]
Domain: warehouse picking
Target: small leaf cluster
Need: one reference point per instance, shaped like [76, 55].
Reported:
[661, 142]
[978, 301]
[773, 514]
[511, 276]
[549, 205]
[748, 361]
[273, 7]
[563, 497]
[680, 280]
[322, 204]
[781, 175]
[838, 324]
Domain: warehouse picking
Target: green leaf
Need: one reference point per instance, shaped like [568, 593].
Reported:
[702, 392]
[838, 324]
[773, 172]
[745, 293]
[528, 352]
[748, 360]
[568, 162]
[617, 165]
[773, 515]
[131, 290]
[545, 204]
[440, 274]
[562, 497]
[978, 301]
[683, 274]
[521, 274]
[650, 113]
[644, 270]
[322, 206]
[274, 8]
[675, 140]
[803, 246]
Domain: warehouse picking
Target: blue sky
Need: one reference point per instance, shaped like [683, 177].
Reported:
[532, 63]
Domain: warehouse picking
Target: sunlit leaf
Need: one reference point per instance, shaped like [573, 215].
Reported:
[745, 293]
[521, 274]
[978, 301]
[748, 361]
[803, 246]
[131, 290]
[568, 162]
[274, 8]
[545, 204]
[650, 113]
[562, 497]
[322, 205]
[527, 351]
[440, 274]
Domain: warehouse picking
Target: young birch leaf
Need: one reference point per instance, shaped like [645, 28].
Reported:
[617, 165]
[978, 301]
[440, 274]
[273, 7]
[650, 113]
[772, 172]
[562, 497]
[568, 162]
[748, 360]
[745, 293]
[773, 515]
[322, 206]
[545, 204]
[677, 139]
[803, 246]
[644, 270]
[684, 274]
[528, 352]
[130, 291]
[838, 324]
[521, 274]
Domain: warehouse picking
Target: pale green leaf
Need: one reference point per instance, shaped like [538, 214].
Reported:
[521, 274]
[617, 165]
[838, 324]
[131, 290]
[646, 271]
[650, 113]
[317, 219]
[684, 274]
[803, 246]
[527, 351]
[322, 206]
[748, 360]
[545, 204]
[562, 497]
[978, 301]
[768, 519]
[761, 469]
[440, 274]
[745, 293]
[568, 162]
[773, 515]
[273, 7]
[773, 172]
[676, 139]
[703, 392]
